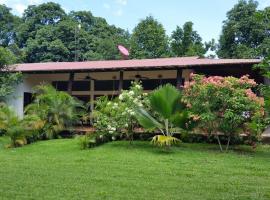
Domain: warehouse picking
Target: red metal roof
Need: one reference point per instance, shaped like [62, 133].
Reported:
[129, 64]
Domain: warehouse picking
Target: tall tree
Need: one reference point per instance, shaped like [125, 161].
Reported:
[49, 34]
[187, 42]
[149, 40]
[7, 79]
[35, 17]
[244, 31]
[8, 22]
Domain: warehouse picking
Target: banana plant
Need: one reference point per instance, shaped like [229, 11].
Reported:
[168, 115]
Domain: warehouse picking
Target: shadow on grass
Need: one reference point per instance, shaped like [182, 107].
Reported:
[241, 150]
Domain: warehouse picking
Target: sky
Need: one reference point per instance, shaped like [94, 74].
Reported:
[207, 15]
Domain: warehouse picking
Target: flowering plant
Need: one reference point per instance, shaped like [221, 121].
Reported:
[225, 105]
[118, 115]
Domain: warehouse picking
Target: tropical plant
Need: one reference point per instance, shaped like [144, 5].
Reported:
[57, 109]
[117, 116]
[225, 106]
[168, 115]
[18, 129]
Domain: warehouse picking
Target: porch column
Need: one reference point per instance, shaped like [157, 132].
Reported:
[70, 82]
[121, 76]
[92, 94]
[179, 79]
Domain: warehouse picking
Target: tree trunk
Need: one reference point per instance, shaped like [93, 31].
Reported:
[220, 146]
[228, 143]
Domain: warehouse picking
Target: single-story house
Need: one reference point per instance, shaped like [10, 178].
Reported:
[90, 79]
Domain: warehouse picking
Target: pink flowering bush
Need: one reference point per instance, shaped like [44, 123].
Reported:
[225, 105]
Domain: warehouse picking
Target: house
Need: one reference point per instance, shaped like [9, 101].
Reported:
[91, 79]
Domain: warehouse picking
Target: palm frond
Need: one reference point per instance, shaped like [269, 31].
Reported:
[147, 121]
[163, 140]
[165, 100]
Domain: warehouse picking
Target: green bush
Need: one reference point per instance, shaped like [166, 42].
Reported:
[91, 140]
[225, 106]
[117, 116]
[58, 110]
[18, 129]
[168, 115]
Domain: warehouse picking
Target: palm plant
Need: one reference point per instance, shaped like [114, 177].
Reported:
[57, 109]
[171, 115]
[18, 128]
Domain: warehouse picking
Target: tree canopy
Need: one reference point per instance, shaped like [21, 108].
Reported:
[7, 80]
[149, 40]
[245, 32]
[47, 33]
[187, 42]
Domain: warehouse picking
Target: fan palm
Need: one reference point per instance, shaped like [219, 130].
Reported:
[57, 109]
[171, 115]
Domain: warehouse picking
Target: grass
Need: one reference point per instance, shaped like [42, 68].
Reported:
[58, 169]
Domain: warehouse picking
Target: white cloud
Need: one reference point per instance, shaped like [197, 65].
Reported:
[263, 4]
[34, 2]
[19, 7]
[122, 2]
[3, 1]
[118, 12]
[107, 6]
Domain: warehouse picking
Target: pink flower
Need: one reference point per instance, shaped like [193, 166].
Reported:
[246, 80]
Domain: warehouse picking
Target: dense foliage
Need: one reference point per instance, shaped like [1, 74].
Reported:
[16, 128]
[171, 115]
[225, 105]
[58, 110]
[7, 79]
[46, 32]
[187, 42]
[245, 32]
[117, 116]
[149, 40]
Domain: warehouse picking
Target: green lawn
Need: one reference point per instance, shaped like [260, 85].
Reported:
[58, 169]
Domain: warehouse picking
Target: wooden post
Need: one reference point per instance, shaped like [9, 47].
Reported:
[92, 91]
[70, 82]
[179, 78]
[121, 76]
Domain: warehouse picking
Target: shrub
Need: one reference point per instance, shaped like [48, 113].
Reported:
[57, 109]
[168, 115]
[90, 140]
[225, 105]
[117, 116]
[18, 129]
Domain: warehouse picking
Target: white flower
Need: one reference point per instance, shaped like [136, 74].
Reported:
[246, 114]
[131, 93]
[120, 97]
[138, 86]
[145, 94]
[140, 105]
[115, 104]
[110, 132]
[113, 138]
[126, 125]
[132, 113]
[109, 103]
